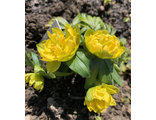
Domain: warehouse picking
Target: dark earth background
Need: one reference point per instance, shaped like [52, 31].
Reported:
[63, 99]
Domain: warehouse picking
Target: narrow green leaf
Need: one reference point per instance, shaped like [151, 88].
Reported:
[61, 20]
[108, 28]
[50, 76]
[116, 67]
[36, 59]
[85, 20]
[114, 73]
[126, 19]
[91, 20]
[76, 20]
[62, 26]
[83, 30]
[62, 73]
[103, 25]
[28, 61]
[113, 31]
[83, 15]
[98, 27]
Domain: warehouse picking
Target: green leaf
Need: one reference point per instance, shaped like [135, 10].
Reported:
[50, 76]
[85, 20]
[123, 67]
[76, 20]
[108, 28]
[126, 19]
[93, 75]
[79, 64]
[29, 54]
[28, 61]
[114, 73]
[97, 20]
[116, 67]
[98, 118]
[81, 55]
[62, 21]
[62, 26]
[105, 76]
[36, 59]
[103, 25]
[62, 73]
[123, 40]
[98, 27]
[83, 30]
[37, 69]
[113, 31]
[83, 15]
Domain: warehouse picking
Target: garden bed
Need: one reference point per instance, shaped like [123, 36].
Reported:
[63, 99]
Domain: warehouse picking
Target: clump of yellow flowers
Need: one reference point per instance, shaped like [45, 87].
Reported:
[87, 48]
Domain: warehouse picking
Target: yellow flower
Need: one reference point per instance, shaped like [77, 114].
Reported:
[103, 45]
[99, 98]
[58, 48]
[35, 79]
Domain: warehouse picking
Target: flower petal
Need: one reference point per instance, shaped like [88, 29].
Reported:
[58, 31]
[111, 89]
[112, 103]
[121, 50]
[27, 77]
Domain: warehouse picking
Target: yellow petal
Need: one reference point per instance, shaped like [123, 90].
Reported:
[32, 80]
[27, 77]
[121, 50]
[88, 34]
[68, 30]
[104, 54]
[47, 56]
[111, 89]
[58, 31]
[105, 32]
[48, 43]
[71, 46]
[52, 66]
[40, 46]
[46, 48]
[112, 103]
[57, 50]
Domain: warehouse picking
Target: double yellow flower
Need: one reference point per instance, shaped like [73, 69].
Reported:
[59, 48]
[99, 98]
[103, 45]
[35, 79]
